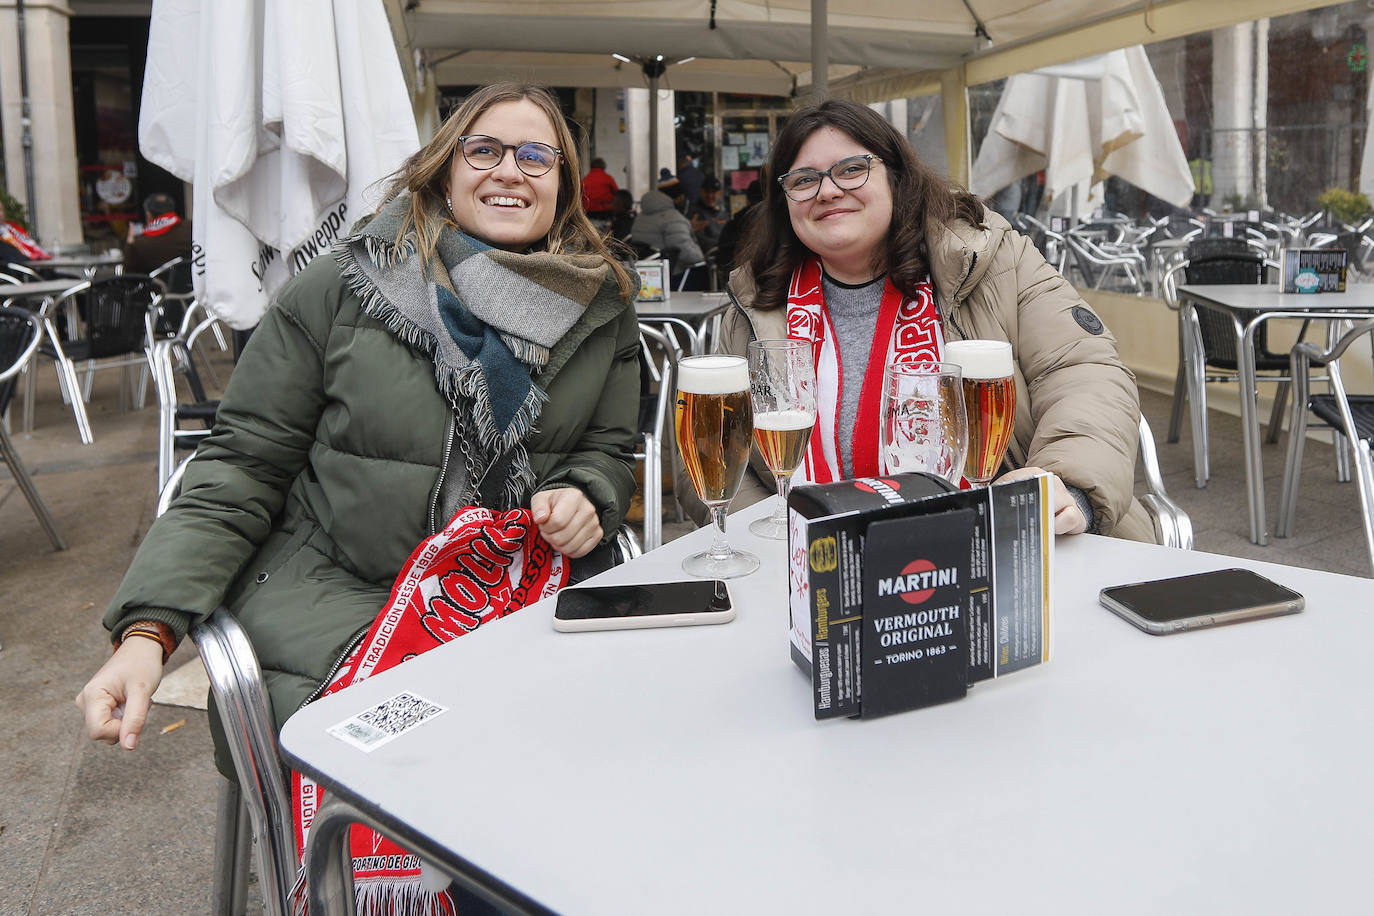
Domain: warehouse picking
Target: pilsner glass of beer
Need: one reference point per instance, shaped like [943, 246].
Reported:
[715, 424]
[990, 399]
[782, 381]
[924, 425]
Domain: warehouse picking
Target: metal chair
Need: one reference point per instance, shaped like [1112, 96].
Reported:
[1207, 341]
[21, 332]
[110, 325]
[1173, 527]
[181, 424]
[653, 426]
[1097, 263]
[1350, 415]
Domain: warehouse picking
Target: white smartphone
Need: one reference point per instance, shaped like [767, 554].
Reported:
[629, 607]
[1207, 599]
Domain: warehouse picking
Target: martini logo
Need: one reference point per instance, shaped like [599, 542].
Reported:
[885, 488]
[1307, 281]
[917, 581]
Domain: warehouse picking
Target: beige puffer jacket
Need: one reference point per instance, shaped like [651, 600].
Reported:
[1077, 408]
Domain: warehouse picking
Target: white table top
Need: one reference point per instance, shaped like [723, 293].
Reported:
[92, 259]
[37, 288]
[1270, 297]
[681, 770]
[686, 305]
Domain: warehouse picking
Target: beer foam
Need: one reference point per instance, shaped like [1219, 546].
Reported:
[980, 358]
[784, 419]
[713, 374]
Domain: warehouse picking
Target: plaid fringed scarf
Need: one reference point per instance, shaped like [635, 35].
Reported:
[482, 566]
[487, 341]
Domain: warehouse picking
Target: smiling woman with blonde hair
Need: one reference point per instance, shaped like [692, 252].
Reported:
[473, 344]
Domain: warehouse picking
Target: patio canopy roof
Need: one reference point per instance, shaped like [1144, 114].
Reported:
[877, 49]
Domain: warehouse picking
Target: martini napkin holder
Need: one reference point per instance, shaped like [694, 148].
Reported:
[903, 592]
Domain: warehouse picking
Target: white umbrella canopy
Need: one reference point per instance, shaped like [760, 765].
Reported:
[929, 35]
[284, 115]
[1081, 123]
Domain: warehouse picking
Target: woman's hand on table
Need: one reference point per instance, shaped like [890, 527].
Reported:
[567, 520]
[115, 700]
[1068, 518]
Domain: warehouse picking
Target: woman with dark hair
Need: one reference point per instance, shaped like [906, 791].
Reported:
[865, 251]
[473, 344]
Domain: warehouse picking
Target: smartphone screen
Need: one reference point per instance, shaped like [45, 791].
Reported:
[1200, 600]
[609, 602]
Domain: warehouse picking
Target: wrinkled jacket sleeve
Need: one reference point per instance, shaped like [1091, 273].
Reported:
[238, 482]
[602, 464]
[1085, 408]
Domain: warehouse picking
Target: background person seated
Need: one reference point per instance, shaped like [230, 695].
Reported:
[660, 227]
[165, 236]
[709, 214]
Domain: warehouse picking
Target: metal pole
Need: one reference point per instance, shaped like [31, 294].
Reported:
[26, 122]
[653, 129]
[820, 52]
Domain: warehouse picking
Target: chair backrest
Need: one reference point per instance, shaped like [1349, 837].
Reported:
[19, 336]
[1235, 266]
[175, 276]
[1216, 246]
[115, 314]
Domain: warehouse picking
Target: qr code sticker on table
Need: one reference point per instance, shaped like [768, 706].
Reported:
[389, 719]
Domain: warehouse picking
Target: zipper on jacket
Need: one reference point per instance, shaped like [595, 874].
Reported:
[952, 299]
[443, 470]
[334, 669]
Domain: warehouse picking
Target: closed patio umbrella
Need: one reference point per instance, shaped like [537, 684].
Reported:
[1081, 123]
[283, 114]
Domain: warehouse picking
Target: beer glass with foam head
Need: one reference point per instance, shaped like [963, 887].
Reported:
[924, 426]
[715, 424]
[990, 399]
[782, 381]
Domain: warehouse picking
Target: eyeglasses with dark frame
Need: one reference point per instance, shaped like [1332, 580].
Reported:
[531, 157]
[847, 174]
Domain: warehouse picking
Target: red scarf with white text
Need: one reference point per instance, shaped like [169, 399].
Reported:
[161, 224]
[483, 566]
[907, 330]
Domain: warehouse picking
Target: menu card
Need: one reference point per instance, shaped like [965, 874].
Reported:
[1313, 270]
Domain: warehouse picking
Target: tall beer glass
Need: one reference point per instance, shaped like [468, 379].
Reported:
[782, 381]
[714, 423]
[924, 425]
[990, 399]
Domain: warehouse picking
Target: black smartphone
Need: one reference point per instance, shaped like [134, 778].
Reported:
[627, 607]
[1207, 599]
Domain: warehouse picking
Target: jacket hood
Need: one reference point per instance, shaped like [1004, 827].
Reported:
[655, 202]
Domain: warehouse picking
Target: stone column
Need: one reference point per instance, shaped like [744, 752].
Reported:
[1233, 107]
[57, 215]
[637, 133]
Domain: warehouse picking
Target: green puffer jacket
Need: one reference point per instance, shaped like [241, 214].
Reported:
[323, 474]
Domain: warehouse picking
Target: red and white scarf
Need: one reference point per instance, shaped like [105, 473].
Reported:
[907, 330]
[482, 566]
[15, 235]
[161, 224]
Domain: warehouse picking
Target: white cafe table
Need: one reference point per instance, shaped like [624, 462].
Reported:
[681, 770]
[689, 312]
[1249, 306]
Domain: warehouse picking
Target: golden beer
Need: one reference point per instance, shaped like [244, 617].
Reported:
[991, 405]
[990, 399]
[782, 436]
[714, 424]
